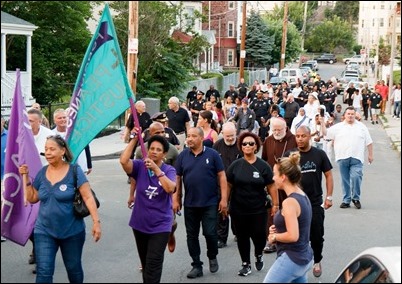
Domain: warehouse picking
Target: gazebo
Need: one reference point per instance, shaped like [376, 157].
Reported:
[11, 25]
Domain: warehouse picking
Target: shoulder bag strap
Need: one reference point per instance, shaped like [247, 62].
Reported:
[75, 175]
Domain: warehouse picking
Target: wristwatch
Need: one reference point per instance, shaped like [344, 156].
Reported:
[132, 135]
[329, 198]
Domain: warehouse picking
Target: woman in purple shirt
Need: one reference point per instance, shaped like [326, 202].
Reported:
[151, 218]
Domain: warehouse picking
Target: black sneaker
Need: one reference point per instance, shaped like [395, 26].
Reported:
[221, 244]
[195, 272]
[270, 248]
[213, 265]
[344, 205]
[246, 270]
[357, 204]
[32, 259]
[259, 262]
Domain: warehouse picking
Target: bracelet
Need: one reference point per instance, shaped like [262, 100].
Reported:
[132, 135]
[161, 175]
[98, 221]
[29, 184]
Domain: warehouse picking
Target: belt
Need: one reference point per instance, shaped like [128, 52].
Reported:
[180, 133]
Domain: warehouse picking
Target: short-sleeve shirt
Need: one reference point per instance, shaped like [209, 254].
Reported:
[248, 194]
[200, 176]
[177, 119]
[313, 164]
[56, 213]
[152, 211]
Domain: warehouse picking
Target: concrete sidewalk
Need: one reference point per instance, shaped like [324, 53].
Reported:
[392, 127]
[107, 147]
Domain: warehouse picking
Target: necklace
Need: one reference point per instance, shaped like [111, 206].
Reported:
[283, 151]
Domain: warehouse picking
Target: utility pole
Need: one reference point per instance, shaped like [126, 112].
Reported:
[243, 40]
[303, 32]
[391, 64]
[284, 31]
[132, 59]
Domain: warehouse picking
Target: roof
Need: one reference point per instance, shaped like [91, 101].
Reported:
[13, 25]
[182, 37]
[10, 19]
[210, 35]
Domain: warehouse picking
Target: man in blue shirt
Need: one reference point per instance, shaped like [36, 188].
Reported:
[202, 171]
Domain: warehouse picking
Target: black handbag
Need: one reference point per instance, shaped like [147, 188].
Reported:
[80, 208]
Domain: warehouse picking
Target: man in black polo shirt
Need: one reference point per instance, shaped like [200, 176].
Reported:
[178, 119]
[197, 106]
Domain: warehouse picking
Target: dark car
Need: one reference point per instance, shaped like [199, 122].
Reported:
[326, 58]
[276, 81]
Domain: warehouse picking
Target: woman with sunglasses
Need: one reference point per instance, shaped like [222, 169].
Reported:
[57, 226]
[248, 180]
[291, 229]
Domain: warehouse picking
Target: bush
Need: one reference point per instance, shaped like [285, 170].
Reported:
[211, 75]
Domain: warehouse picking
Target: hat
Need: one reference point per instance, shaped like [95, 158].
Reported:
[315, 95]
[159, 116]
[260, 92]
[245, 100]
[200, 93]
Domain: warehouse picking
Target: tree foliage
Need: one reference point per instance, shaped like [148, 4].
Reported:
[164, 65]
[347, 11]
[58, 44]
[293, 40]
[330, 35]
[259, 43]
[295, 12]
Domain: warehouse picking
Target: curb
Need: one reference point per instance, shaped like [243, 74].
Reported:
[395, 140]
[107, 156]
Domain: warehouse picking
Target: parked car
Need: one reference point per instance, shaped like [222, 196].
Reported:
[326, 58]
[315, 64]
[373, 265]
[275, 81]
[358, 58]
[352, 66]
[292, 75]
[351, 72]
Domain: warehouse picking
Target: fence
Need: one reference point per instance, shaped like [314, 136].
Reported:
[222, 83]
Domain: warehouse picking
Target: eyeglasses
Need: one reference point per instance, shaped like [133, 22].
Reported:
[244, 144]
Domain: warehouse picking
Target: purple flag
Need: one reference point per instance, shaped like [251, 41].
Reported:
[18, 216]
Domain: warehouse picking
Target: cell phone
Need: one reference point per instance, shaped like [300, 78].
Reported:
[322, 111]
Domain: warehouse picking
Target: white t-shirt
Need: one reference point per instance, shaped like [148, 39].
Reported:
[40, 141]
[350, 140]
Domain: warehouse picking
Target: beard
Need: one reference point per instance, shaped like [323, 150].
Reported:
[279, 136]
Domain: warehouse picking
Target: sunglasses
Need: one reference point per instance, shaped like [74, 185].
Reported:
[244, 144]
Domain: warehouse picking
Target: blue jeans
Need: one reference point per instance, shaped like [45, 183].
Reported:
[351, 170]
[193, 218]
[284, 270]
[397, 108]
[46, 248]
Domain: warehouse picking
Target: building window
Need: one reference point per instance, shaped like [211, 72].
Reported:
[382, 22]
[231, 5]
[189, 14]
[362, 23]
[382, 7]
[230, 57]
[373, 23]
[230, 29]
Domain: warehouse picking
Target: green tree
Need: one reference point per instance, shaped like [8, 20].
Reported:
[293, 40]
[347, 11]
[384, 53]
[259, 43]
[58, 45]
[329, 35]
[295, 12]
[164, 65]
